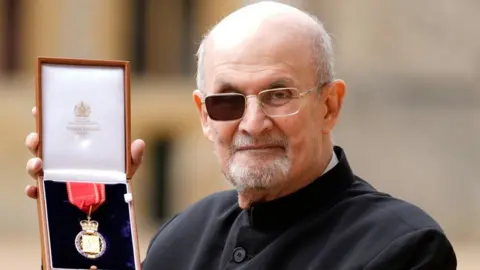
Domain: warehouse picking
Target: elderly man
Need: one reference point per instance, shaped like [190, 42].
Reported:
[268, 101]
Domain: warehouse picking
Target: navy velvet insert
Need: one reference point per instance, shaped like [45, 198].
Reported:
[114, 224]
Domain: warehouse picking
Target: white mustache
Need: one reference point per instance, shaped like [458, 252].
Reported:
[246, 141]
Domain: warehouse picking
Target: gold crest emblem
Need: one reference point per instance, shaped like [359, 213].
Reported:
[89, 242]
[82, 123]
[82, 110]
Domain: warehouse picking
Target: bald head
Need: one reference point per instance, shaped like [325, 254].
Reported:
[257, 20]
[269, 24]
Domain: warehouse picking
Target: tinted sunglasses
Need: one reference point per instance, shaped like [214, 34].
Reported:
[277, 102]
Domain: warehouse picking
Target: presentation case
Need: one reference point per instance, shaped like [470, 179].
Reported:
[85, 201]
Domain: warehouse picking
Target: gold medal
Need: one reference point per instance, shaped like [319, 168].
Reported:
[89, 242]
[88, 197]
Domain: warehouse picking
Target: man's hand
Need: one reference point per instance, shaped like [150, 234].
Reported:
[34, 165]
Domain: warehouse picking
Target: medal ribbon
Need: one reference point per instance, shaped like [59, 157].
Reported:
[86, 196]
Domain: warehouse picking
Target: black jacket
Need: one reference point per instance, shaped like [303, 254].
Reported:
[337, 222]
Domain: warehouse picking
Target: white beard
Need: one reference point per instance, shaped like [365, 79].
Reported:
[258, 177]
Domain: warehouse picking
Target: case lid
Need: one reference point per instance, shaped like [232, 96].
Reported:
[84, 119]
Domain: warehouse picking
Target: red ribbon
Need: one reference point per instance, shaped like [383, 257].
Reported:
[86, 196]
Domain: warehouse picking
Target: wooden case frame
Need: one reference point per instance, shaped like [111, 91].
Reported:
[41, 205]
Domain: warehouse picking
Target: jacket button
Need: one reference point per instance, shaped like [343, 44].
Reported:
[239, 254]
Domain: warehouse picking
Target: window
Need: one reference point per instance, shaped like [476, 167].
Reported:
[139, 32]
[162, 37]
[188, 38]
[10, 50]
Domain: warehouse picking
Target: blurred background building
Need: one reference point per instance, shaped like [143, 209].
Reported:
[410, 124]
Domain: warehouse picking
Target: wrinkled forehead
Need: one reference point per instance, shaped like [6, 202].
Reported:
[258, 57]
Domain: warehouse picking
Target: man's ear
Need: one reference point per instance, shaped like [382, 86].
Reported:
[197, 99]
[334, 92]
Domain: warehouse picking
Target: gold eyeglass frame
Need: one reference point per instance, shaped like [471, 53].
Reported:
[300, 95]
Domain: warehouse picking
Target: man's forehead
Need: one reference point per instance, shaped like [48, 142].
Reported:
[231, 35]
[275, 59]
[222, 83]
[253, 44]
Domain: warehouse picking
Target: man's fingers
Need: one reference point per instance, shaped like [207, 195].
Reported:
[32, 142]
[34, 166]
[138, 150]
[31, 192]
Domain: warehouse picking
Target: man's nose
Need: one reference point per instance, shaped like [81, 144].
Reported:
[254, 121]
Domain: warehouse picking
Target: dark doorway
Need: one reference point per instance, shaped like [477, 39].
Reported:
[160, 181]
